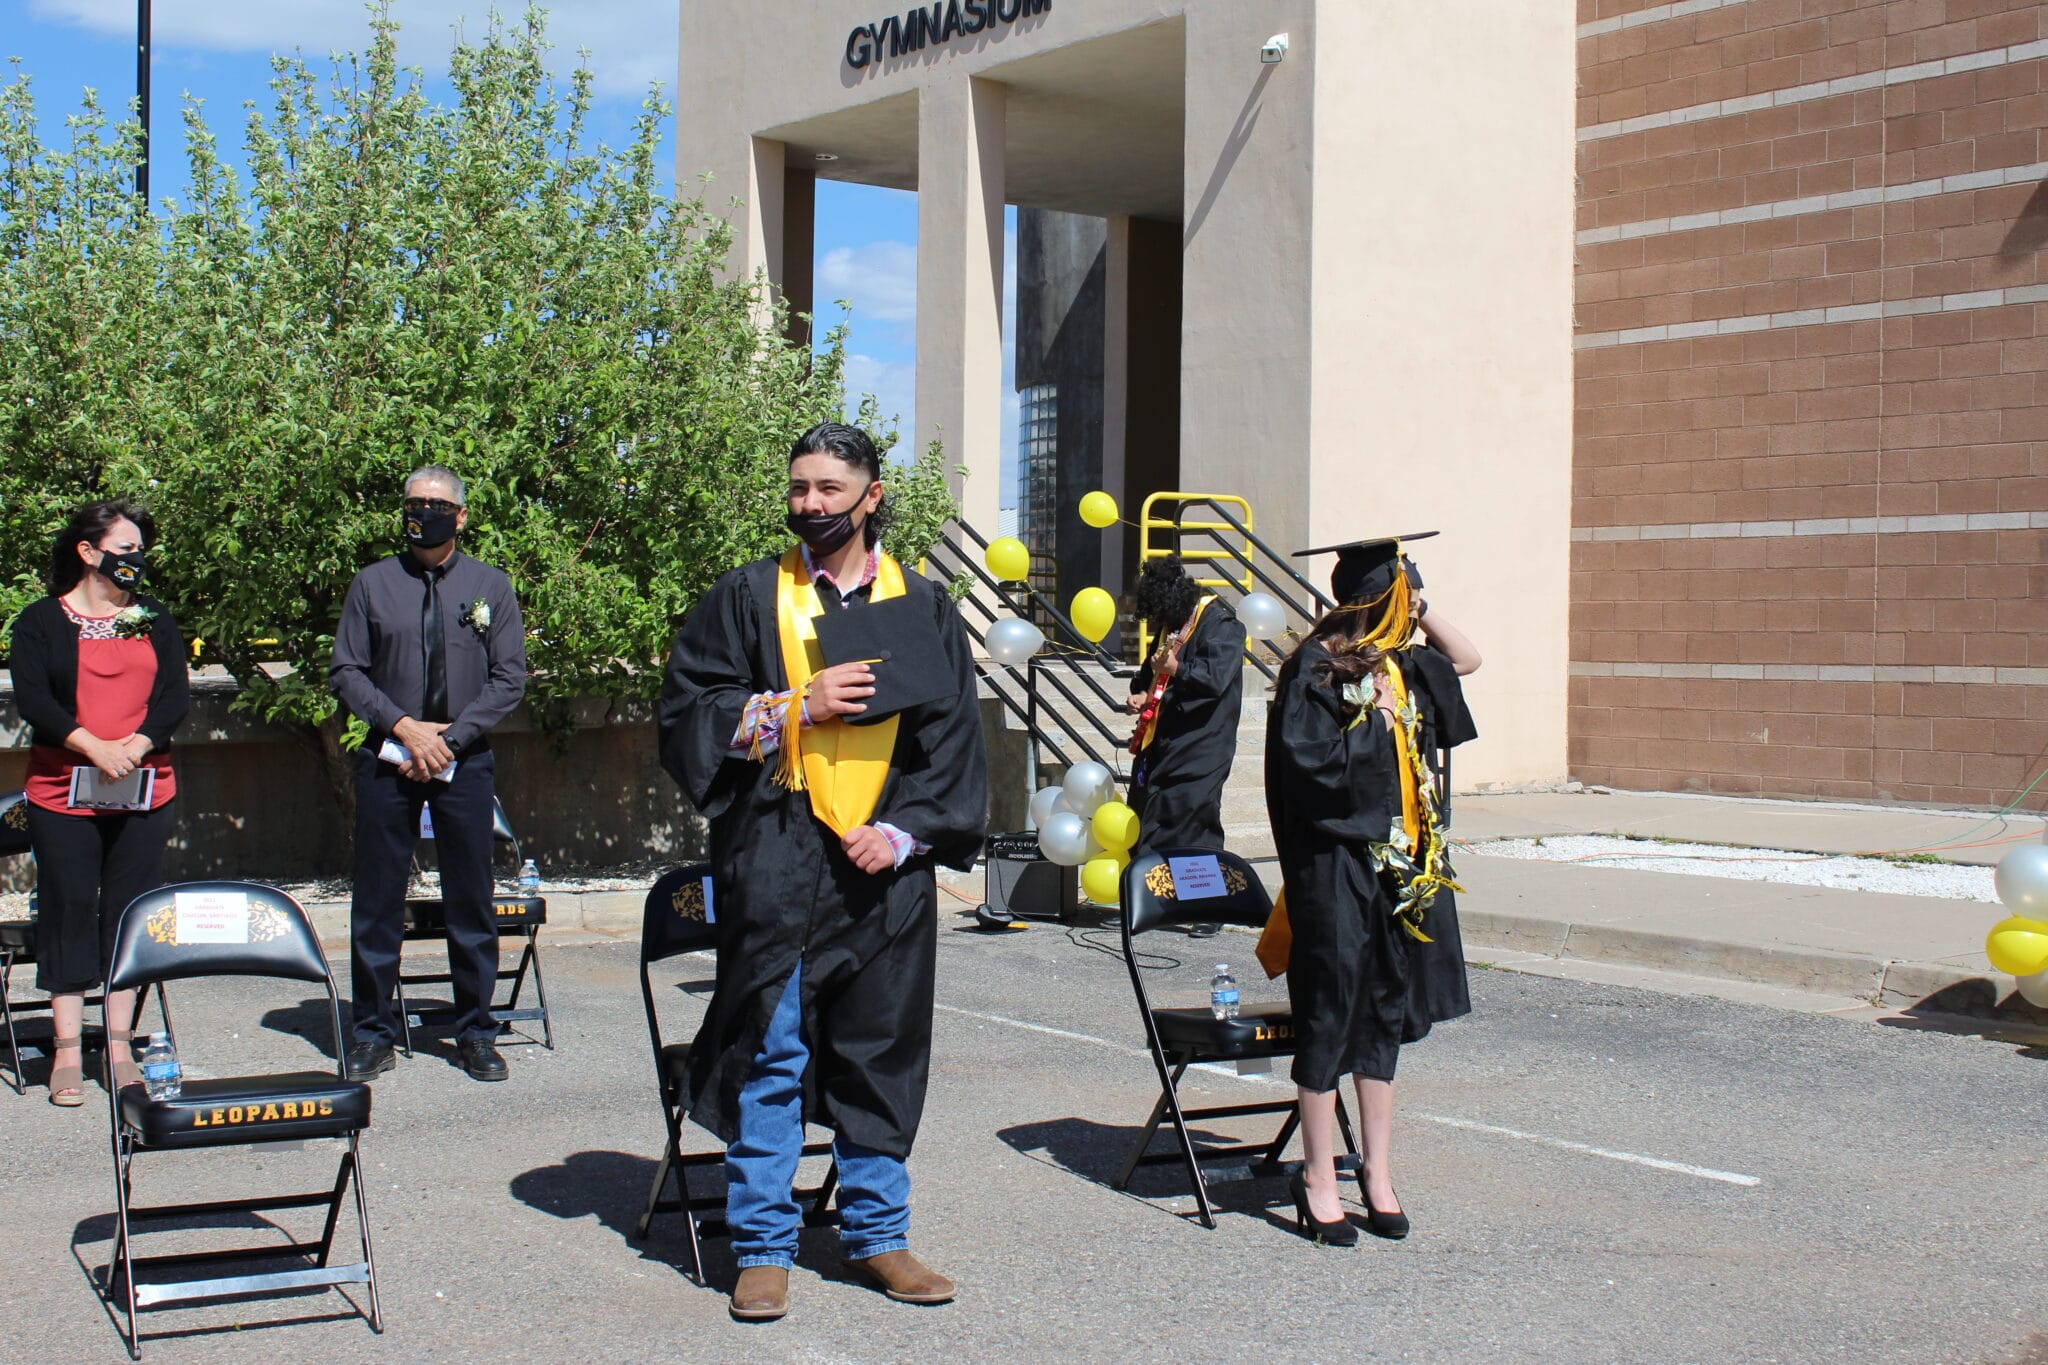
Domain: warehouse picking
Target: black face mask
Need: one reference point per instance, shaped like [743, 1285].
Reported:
[428, 529]
[823, 532]
[126, 572]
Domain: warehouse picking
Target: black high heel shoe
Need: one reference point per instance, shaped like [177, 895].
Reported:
[1392, 1226]
[1338, 1234]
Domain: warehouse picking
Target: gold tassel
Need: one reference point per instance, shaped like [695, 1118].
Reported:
[789, 773]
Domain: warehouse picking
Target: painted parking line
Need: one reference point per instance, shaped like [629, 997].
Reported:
[1655, 1163]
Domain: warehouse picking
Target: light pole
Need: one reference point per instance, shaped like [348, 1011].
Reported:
[142, 96]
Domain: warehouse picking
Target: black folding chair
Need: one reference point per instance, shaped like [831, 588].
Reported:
[1181, 1037]
[202, 929]
[18, 949]
[680, 917]
[519, 917]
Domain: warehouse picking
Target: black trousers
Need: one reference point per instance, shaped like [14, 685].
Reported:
[387, 828]
[88, 867]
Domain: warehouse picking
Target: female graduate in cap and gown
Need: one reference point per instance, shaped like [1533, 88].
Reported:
[1360, 710]
[825, 829]
[1187, 699]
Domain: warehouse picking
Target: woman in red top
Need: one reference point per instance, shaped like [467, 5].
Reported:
[99, 676]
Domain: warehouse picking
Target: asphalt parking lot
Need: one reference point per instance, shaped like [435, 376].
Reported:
[1595, 1174]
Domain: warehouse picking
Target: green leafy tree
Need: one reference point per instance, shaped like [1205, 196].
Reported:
[401, 282]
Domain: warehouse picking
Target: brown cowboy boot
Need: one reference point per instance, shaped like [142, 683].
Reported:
[904, 1278]
[761, 1294]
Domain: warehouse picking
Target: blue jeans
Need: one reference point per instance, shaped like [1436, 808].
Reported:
[760, 1168]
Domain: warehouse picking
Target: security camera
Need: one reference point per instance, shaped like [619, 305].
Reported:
[1273, 49]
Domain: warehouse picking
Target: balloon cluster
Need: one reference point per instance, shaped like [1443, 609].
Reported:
[2019, 943]
[1082, 824]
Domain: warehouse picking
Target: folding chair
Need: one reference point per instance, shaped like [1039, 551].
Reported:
[680, 917]
[18, 949]
[519, 917]
[1220, 888]
[222, 928]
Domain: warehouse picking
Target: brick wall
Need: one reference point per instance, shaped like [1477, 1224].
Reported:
[1811, 450]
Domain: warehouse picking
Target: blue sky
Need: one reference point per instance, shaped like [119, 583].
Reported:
[219, 51]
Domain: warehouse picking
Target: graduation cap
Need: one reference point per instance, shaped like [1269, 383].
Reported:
[1365, 568]
[899, 641]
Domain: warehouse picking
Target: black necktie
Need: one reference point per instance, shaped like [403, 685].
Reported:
[433, 644]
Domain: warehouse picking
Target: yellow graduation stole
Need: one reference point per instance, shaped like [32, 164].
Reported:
[842, 766]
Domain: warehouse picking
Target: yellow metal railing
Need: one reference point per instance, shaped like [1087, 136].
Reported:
[1219, 561]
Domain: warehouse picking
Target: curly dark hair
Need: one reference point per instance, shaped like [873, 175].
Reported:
[1166, 595]
[88, 526]
[850, 445]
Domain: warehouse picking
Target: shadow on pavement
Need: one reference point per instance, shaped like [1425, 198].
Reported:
[612, 1187]
[103, 1228]
[1097, 1151]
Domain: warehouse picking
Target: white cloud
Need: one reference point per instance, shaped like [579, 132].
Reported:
[879, 279]
[894, 385]
[631, 42]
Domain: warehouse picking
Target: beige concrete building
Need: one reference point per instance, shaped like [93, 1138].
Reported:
[1338, 283]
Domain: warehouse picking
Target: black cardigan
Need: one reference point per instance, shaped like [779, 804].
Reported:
[44, 660]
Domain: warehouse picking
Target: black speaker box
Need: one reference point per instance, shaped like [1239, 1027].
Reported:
[1023, 884]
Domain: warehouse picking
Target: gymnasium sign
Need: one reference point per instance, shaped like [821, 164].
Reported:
[924, 26]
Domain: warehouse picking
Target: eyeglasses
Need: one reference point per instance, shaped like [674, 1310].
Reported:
[431, 505]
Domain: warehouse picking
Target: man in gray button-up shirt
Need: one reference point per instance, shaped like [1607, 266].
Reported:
[430, 654]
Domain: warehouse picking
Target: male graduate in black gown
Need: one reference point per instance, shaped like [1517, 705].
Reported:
[1360, 711]
[824, 836]
[1187, 699]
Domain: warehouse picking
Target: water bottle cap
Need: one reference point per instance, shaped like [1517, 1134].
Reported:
[1223, 966]
[163, 1038]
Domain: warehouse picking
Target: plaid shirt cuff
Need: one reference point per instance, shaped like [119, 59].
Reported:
[900, 843]
[762, 720]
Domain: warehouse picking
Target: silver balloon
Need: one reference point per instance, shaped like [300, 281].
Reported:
[2034, 989]
[1262, 615]
[2022, 881]
[1088, 786]
[1011, 641]
[1063, 838]
[1043, 802]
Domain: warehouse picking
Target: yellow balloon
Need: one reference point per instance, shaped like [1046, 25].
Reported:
[1116, 825]
[1098, 509]
[1122, 856]
[1008, 560]
[1101, 880]
[1093, 612]
[2018, 947]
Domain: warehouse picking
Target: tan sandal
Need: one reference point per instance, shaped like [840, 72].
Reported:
[121, 1056]
[67, 1083]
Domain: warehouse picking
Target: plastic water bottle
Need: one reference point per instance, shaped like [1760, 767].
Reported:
[161, 1074]
[1223, 993]
[529, 878]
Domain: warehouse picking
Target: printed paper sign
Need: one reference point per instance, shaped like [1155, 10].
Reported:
[710, 913]
[1197, 879]
[212, 916]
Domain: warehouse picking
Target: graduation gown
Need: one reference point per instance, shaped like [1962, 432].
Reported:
[1359, 983]
[787, 891]
[1179, 794]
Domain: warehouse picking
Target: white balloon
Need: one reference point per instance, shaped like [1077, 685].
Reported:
[2022, 881]
[2034, 989]
[1263, 616]
[1088, 786]
[1043, 802]
[1064, 839]
[1011, 641]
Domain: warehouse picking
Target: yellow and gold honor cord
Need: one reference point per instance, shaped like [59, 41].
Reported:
[1424, 869]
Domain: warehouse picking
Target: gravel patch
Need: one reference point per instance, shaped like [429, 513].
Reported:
[1945, 881]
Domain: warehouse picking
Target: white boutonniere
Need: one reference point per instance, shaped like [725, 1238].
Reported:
[477, 616]
[133, 623]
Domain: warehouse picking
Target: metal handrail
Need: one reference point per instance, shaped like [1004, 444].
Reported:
[956, 560]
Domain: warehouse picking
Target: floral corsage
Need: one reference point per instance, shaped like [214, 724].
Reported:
[134, 623]
[477, 616]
